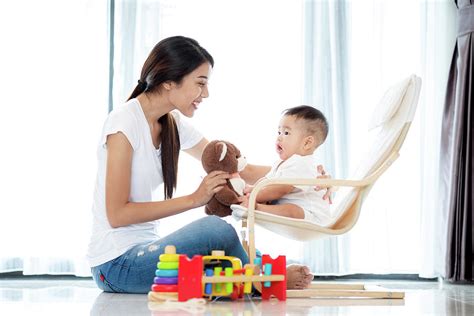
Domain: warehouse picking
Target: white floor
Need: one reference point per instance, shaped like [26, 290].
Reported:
[81, 297]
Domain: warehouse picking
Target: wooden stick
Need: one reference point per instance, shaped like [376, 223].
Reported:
[242, 278]
[336, 286]
[251, 227]
[343, 293]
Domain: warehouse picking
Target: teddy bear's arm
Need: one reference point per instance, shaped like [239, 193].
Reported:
[227, 196]
[214, 207]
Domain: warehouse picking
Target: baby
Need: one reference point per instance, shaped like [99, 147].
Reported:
[301, 131]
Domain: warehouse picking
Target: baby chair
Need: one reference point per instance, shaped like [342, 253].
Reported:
[392, 119]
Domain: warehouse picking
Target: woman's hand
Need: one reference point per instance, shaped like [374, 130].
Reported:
[323, 175]
[210, 185]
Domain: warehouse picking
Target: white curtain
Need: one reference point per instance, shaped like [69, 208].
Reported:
[400, 229]
[438, 23]
[327, 52]
[399, 220]
[137, 26]
[54, 99]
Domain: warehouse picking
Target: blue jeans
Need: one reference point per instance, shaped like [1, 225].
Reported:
[133, 272]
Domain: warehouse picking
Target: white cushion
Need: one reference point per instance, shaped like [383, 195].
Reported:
[389, 104]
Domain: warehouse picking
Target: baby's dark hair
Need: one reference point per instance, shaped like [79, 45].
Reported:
[315, 122]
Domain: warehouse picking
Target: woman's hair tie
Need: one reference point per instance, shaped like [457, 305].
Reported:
[142, 85]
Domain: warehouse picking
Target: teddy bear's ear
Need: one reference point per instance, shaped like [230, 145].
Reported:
[222, 148]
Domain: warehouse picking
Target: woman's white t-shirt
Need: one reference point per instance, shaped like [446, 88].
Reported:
[107, 242]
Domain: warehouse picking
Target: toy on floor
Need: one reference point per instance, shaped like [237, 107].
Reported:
[165, 283]
[180, 278]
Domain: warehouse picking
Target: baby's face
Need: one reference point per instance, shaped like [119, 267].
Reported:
[290, 138]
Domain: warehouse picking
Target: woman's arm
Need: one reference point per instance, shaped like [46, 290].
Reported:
[122, 212]
[252, 173]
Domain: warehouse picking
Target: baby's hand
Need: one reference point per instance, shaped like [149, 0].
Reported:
[244, 200]
[248, 188]
[329, 189]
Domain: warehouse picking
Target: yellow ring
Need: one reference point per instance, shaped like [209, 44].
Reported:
[169, 257]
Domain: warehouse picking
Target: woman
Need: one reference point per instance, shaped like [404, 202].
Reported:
[138, 151]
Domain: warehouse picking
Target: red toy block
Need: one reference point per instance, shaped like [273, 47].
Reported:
[189, 278]
[277, 288]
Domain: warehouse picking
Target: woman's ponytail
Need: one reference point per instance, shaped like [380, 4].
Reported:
[139, 89]
[170, 147]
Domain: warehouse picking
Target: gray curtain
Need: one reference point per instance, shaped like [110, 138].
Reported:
[456, 151]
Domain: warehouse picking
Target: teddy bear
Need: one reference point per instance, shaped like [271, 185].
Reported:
[224, 156]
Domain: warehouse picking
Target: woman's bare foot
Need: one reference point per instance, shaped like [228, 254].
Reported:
[298, 277]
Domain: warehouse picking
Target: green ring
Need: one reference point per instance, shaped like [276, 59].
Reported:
[167, 265]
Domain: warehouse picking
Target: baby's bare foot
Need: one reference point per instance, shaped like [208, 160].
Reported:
[298, 277]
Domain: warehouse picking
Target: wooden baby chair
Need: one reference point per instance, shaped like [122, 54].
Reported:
[392, 118]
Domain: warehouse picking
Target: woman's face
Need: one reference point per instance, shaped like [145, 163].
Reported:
[187, 96]
[290, 138]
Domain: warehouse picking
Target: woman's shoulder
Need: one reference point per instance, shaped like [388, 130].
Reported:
[127, 118]
[128, 108]
[129, 112]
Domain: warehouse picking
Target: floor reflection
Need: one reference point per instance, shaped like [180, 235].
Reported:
[45, 297]
[123, 304]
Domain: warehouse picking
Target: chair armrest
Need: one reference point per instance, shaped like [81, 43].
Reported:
[369, 180]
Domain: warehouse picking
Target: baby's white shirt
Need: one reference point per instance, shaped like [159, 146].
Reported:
[316, 209]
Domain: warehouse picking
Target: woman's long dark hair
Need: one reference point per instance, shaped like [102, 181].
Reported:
[170, 60]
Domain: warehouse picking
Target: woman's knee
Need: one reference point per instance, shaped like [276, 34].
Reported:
[220, 229]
